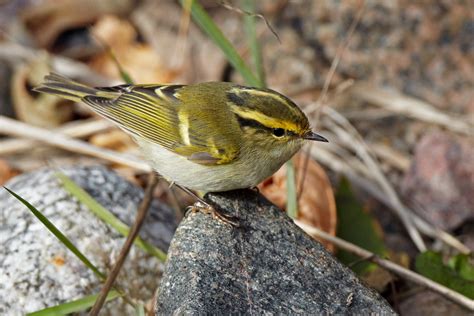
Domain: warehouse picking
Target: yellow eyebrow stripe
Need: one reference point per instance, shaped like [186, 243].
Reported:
[264, 119]
[263, 94]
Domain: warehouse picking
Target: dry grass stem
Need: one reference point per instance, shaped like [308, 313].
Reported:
[412, 107]
[363, 181]
[391, 156]
[15, 53]
[390, 266]
[347, 133]
[75, 129]
[15, 128]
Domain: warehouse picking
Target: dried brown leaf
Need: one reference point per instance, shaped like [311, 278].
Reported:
[316, 205]
[6, 172]
[113, 139]
[138, 59]
[37, 109]
[47, 20]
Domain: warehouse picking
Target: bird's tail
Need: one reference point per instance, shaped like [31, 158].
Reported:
[66, 88]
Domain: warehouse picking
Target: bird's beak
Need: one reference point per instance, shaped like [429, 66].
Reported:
[313, 136]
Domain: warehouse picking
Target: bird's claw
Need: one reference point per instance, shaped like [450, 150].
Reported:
[205, 208]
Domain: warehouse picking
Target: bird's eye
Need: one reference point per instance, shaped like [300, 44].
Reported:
[278, 132]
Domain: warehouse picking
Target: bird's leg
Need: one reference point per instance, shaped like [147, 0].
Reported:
[205, 208]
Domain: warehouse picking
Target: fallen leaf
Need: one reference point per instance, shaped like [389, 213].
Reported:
[42, 110]
[181, 43]
[378, 279]
[464, 265]
[114, 139]
[137, 59]
[6, 172]
[316, 204]
[458, 275]
[47, 20]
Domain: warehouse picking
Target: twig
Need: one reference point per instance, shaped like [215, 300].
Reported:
[75, 129]
[240, 11]
[15, 128]
[390, 266]
[412, 107]
[140, 217]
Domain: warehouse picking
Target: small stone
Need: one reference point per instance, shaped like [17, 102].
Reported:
[426, 302]
[440, 181]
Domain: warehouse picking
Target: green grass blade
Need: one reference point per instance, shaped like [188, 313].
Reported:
[291, 203]
[140, 310]
[255, 49]
[106, 216]
[75, 306]
[357, 226]
[256, 53]
[123, 74]
[212, 30]
[431, 265]
[58, 234]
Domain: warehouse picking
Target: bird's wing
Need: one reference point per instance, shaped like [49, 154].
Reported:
[156, 113]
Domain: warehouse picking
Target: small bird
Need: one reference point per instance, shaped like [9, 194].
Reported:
[211, 137]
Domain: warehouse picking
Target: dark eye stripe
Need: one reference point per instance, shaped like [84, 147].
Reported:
[245, 122]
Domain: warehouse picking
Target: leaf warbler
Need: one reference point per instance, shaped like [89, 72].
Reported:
[211, 137]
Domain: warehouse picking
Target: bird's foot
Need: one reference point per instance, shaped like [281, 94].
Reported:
[205, 208]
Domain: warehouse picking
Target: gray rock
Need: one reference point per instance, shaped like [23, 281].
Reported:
[266, 266]
[37, 271]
